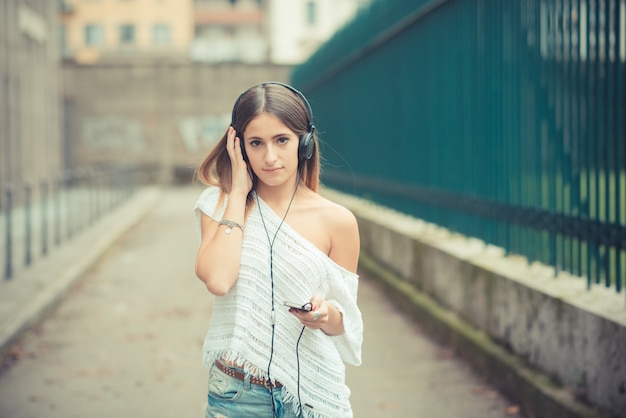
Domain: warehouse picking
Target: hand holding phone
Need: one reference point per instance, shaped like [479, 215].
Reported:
[307, 307]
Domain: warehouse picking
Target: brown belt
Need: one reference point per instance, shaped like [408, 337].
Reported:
[241, 376]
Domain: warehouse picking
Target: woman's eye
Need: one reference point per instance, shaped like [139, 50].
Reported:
[283, 140]
[255, 143]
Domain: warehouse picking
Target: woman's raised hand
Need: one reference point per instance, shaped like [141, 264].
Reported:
[241, 179]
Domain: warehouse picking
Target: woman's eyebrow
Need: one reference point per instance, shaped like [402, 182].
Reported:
[273, 137]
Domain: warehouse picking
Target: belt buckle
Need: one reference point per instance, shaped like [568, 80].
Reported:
[268, 384]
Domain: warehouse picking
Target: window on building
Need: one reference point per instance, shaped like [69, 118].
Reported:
[127, 34]
[94, 35]
[311, 13]
[161, 34]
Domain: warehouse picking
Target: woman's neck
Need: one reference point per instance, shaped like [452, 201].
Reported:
[278, 197]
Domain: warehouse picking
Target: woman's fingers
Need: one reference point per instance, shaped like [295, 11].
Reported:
[241, 179]
[317, 317]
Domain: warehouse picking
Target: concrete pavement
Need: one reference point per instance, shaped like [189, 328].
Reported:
[124, 340]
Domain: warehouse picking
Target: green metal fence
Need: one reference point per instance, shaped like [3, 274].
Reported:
[499, 119]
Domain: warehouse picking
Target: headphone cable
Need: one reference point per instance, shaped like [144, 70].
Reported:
[271, 244]
[298, 364]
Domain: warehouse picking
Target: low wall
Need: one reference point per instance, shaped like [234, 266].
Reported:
[547, 341]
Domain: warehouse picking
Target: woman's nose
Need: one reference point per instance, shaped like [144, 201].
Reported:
[270, 154]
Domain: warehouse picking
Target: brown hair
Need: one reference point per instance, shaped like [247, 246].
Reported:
[279, 101]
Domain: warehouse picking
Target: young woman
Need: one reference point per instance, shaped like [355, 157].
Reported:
[269, 240]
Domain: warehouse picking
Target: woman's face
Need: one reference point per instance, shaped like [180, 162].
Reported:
[272, 149]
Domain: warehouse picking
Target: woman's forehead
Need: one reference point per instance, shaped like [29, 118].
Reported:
[266, 125]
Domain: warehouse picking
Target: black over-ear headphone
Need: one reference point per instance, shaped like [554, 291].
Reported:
[305, 147]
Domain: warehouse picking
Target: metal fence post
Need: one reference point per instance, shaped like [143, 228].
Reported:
[57, 210]
[44, 217]
[8, 267]
[28, 256]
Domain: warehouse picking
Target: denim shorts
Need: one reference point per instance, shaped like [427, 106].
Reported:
[230, 397]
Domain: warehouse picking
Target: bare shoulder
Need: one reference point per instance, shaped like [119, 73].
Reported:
[341, 228]
[336, 215]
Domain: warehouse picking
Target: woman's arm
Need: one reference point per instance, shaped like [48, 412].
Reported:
[219, 255]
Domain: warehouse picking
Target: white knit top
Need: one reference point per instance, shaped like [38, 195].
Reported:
[240, 328]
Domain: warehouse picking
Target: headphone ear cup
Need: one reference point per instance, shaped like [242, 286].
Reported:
[305, 148]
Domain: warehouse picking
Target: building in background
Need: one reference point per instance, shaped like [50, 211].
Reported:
[30, 120]
[298, 27]
[230, 31]
[207, 31]
[96, 30]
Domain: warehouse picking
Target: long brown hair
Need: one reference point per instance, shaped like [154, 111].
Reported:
[279, 101]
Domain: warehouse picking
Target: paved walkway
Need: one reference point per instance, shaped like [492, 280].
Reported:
[125, 340]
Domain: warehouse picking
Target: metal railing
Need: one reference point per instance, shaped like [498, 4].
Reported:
[37, 218]
[502, 120]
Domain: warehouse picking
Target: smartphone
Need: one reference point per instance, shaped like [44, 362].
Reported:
[307, 307]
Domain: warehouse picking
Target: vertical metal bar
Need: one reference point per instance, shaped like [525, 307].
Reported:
[480, 133]
[588, 130]
[28, 256]
[598, 131]
[508, 102]
[469, 49]
[82, 208]
[619, 155]
[532, 67]
[540, 68]
[604, 169]
[616, 97]
[495, 86]
[91, 190]
[8, 266]
[57, 211]
[551, 129]
[98, 186]
[514, 113]
[577, 134]
[69, 218]
[44, 217]
[522, 120]
[609, 59]
[591, 126]
[504, 101]
[568, 131]
[559, 125]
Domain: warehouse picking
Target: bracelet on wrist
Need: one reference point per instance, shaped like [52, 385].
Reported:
[230, 225]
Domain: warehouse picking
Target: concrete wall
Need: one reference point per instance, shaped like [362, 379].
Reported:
[155, 113]
[574, 337]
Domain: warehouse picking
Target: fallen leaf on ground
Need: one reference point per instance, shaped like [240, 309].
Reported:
[388, 406]
[512, 410]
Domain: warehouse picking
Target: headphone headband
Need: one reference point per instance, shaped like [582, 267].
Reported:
[278, 83]
[305, 150]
